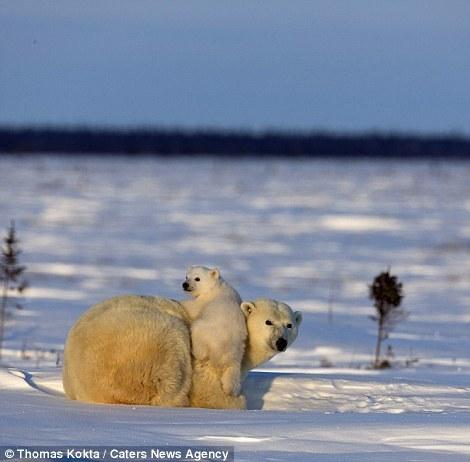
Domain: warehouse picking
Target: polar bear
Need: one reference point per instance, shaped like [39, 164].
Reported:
[272, 327]
[214, 306]
[136, 350]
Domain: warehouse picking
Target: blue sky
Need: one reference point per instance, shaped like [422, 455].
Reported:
[336, 65]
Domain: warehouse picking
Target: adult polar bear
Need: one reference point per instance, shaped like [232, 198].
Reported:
[136, 350]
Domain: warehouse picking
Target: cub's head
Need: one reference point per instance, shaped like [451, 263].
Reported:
[200, 280]
[272, 327]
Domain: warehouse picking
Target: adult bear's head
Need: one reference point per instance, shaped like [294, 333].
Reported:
[272, 327]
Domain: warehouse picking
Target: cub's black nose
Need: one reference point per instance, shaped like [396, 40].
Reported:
[185, 285]
[281, 344]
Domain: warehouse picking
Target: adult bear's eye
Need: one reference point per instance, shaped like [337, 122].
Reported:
[289, 326]
[268, 322]
[197, 279]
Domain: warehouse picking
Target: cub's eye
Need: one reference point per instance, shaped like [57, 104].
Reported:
[268, 322]
[289, 326]
[197, 279]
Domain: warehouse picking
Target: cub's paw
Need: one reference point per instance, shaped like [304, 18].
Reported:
[200, 351]
[230, 384]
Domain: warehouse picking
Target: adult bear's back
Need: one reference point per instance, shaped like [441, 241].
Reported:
[129, 349]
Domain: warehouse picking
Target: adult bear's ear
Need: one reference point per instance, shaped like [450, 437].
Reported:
[215, 273]
[298, 317]
[247, 308]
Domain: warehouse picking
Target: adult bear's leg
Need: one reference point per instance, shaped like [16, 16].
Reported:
[172, 373]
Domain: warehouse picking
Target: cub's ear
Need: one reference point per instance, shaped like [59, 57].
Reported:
[215, 273]
[298, 317]
[247, 308]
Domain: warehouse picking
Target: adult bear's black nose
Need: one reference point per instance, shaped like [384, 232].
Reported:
[281, 344]
[185, 285]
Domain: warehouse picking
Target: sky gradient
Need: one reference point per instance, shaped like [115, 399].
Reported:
[335, 65]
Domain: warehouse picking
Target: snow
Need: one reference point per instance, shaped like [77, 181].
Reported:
[312, 233]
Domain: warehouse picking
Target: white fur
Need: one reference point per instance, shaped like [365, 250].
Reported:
[218, 329]
[264, 338]
[136, 350]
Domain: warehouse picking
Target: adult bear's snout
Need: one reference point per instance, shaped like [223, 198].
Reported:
[281, 344]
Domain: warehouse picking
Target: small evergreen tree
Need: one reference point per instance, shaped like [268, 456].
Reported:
[387, 294]
[11, 277]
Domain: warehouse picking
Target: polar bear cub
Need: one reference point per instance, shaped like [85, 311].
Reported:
[218, 327]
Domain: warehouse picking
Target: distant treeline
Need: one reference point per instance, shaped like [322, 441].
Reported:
[229, 143]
